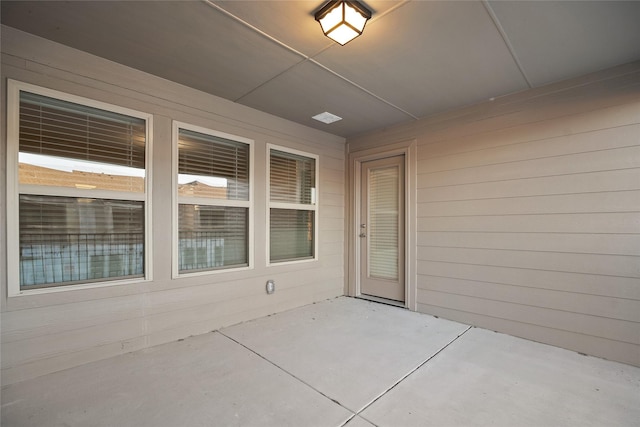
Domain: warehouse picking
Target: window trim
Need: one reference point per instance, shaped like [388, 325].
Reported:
[315, 207]
[177, 200]
[14, 189]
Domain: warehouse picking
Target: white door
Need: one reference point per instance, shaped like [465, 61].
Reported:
[382, 228]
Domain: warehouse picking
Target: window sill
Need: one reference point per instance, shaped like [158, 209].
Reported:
[211, 272]
[297, 261]
[63, 288]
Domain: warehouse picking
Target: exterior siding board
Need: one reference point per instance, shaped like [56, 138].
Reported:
[50, 332]
[529, 213]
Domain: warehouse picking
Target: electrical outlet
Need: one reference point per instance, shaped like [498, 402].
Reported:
[271, 287]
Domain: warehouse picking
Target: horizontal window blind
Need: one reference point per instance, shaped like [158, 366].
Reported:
[212, 237]
[54, 214]
[60, 128]
[292, 178]
[206, 156]
[67, 240]
[383, 223]
[292, 234]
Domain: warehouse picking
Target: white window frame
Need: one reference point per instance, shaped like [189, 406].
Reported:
[315, 206]
[177, 200]
[14, 189]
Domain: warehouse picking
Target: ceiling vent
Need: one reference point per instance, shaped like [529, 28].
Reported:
[326, 117]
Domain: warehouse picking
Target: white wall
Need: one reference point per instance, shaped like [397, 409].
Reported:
[50, 332]
[529, 213]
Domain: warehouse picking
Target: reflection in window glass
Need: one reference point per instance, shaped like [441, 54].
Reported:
[213, 201]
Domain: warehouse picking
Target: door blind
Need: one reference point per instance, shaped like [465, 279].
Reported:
[383, 221]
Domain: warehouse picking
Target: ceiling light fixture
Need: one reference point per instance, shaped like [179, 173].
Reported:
[343, 21]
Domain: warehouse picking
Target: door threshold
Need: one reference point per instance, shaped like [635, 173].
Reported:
[382, 300]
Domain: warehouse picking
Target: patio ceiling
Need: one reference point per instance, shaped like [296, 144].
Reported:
[415, 58]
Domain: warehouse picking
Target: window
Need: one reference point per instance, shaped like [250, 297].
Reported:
[213, 192]
[292, 205]
[77, 190]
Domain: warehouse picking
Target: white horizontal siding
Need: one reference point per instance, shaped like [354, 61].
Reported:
[601, 327]
[568, 164]
[597, 202]
[590, 182]
[604, 265]
[573, 283]
[606, 244]
[625, 222]
[528, 137]
[595, 305]
[528, 213]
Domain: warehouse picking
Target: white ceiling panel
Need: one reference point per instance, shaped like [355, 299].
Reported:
[430, 56]
[191, 43]
[555, 40]
[307, 90]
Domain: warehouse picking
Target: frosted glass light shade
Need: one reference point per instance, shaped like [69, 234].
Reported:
[342, 21]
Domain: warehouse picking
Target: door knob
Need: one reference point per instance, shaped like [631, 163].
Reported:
[362, 235]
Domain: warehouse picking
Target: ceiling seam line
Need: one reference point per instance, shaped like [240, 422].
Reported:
[368, 92]
[254, 28]
[305, 58]
[265, 35]
[389, 10]
[506, 40]
[270, 80]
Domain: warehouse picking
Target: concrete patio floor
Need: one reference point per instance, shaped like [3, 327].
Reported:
[340, 362]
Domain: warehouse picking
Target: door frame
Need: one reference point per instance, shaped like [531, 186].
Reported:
[407, 148]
